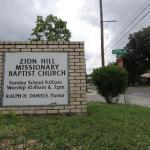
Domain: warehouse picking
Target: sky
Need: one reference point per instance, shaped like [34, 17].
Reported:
[17, 19]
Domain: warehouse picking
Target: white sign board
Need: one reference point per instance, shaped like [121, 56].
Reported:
[32, 78]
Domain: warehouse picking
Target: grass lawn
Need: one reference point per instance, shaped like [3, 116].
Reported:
[106, 127]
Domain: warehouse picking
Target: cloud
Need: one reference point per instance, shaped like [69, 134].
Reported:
[17, 19]
[14, 22]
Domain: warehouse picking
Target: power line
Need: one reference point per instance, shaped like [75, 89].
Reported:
[128, 22]
[128, 25]
[129, 30]
[131, 21]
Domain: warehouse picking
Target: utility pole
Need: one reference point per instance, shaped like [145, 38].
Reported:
[102, 33]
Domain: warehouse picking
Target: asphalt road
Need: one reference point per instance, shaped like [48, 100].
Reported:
[135, 95]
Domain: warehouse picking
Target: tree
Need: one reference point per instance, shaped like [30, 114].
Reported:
[137, 59]
[110, 81]
[51, 28]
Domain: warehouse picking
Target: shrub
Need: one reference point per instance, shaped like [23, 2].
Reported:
[110, 81]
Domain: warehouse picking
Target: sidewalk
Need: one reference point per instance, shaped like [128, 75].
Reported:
[133, 97]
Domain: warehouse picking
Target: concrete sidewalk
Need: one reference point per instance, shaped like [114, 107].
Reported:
[135, 95]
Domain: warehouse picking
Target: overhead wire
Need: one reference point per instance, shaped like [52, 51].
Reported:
[130, 22]
[131, 29]
[132, 18]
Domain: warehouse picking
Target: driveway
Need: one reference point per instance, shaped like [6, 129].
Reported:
[135, 95]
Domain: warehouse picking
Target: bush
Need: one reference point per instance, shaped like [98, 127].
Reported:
[110, 81]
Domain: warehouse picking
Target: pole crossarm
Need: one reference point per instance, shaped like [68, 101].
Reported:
[109, 20]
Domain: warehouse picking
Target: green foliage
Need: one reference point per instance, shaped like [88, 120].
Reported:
[148, 70]
[89, 79]
[107, 127]
[137, 59]
[51, 28]
[110, 81]
[11, 115]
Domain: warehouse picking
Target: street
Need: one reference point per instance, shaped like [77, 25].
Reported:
[135, 95]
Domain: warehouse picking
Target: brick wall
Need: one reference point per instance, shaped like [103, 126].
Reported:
[77, 83]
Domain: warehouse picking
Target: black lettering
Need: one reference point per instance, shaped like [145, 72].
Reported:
[18, 67]
[21, 61]
[47, 61]
[10, 73]
[28, 61]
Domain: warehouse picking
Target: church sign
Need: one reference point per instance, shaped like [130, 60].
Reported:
[35, 79]
[42, 77]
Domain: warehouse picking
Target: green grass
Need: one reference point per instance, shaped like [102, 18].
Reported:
[106, 127]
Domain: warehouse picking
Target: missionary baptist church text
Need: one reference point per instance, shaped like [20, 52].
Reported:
[30, 67]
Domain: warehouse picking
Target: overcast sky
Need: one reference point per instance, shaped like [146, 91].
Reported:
[17, 19]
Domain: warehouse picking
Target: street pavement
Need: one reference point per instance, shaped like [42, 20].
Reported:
[134, 95]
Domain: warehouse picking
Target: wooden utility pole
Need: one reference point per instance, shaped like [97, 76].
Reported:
[102, 33]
